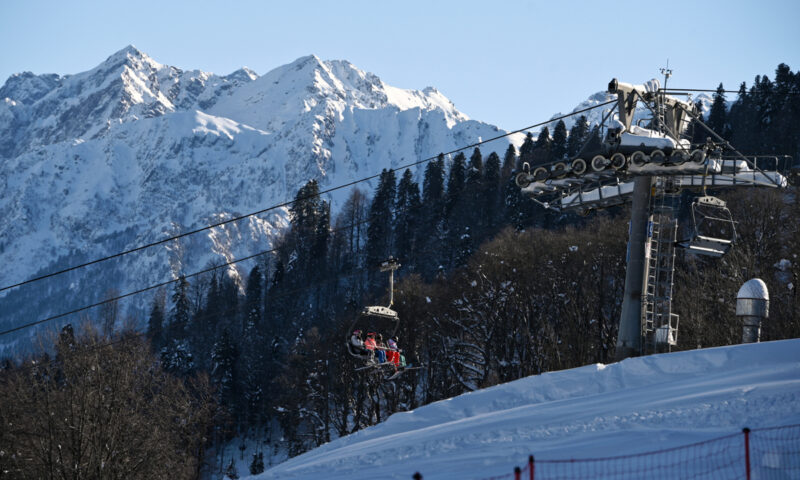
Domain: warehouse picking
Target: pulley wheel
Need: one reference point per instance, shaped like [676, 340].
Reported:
[599, 163]
[540, 174]
[579, 166]
[638, 159]
[698, 156]
[678, 157]
[617, 161]
[522, 180]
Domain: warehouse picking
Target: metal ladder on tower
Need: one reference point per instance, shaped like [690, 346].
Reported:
[660, 325]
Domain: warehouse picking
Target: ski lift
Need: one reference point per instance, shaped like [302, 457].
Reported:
[376, 318]
[714, 230]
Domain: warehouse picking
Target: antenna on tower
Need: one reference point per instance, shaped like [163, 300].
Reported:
[661, 107]
[667, 72]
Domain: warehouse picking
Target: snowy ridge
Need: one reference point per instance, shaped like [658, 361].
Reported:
[134, 151]
[638, 405]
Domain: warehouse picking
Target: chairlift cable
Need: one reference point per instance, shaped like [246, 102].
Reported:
[290, 202]
[158, 285]
[191, 275]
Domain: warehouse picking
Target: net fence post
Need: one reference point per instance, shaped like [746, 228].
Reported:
[531, 466]
[746, 432]
[517, 473]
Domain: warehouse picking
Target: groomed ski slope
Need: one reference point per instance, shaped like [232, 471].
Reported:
[637, 405]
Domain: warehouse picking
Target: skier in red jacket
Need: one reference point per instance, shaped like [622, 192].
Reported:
[370, 345]
[394, 352]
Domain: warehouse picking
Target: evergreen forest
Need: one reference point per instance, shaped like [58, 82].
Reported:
[492, 287]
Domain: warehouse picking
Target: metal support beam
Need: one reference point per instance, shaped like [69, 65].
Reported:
[630, 323]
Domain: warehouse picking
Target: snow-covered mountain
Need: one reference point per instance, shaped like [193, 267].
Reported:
[134, 151]
[635, 406]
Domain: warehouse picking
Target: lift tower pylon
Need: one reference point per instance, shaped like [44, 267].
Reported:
[649, 166]
[629, 336]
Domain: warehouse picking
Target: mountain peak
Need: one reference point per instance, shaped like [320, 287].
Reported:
[27, 87]
[243, 74]
[127, 52]
[132, 150]
[129, 56]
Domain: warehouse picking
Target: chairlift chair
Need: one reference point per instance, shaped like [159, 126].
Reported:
[373, 319]
[377, 318]
[714, 230]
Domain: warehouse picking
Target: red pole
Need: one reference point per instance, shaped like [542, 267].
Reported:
[747, 450]
[530, 466]
[517, 473]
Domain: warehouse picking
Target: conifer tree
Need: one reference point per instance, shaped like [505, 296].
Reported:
[577, 136]
[742, 120]
[490, 200]
[699, 134]
[179, 317]
[457, 215]
[319, 249]
[433, 194]
[253, 349]
[593, 144]
[229, 315]
[526, 152]
[379, 232]
[560, 146]
[155, 325]
[257, 465]
[518, 210]
[231, 472]
[309, 228]
[475, 163]
[717, 115]
[543, 148]
[407, 216]
[224, 358]
[509, 163]
[277, 275]
[431, 228]
[455, 182]
[473, 197]
[253, 300]
[176, 355]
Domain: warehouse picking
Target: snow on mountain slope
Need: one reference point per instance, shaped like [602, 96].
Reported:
[638, 405]
[126, 87]
[134, 151]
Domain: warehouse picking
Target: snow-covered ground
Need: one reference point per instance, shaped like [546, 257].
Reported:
[637, 405]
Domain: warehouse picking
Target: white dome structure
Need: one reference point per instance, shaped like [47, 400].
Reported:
[752, 304]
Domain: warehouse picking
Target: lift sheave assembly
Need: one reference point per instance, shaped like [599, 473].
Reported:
[646, 157]
[377, 319]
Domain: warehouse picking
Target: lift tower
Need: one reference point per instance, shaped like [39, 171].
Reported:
[647, 158]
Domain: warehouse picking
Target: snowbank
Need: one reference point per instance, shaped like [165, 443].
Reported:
[638, 405]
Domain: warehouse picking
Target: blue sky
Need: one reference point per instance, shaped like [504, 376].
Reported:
[510, 63]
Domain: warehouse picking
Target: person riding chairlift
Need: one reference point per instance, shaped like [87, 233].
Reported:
[381, 349]
[394, 354]
[358, 344]
[370, 344]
